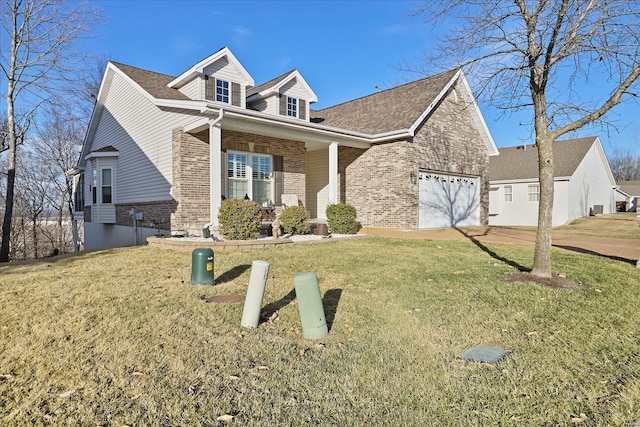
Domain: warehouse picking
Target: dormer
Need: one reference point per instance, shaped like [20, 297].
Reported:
[220, 78]
[287, 95]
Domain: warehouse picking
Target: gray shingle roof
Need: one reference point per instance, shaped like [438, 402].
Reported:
[632, 188]
[154, 83]
[519, 163]
[268, 84]
[387, 110]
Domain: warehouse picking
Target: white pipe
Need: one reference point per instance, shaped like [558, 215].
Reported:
[255, 293]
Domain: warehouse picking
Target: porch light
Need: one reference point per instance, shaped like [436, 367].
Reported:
[413, 177]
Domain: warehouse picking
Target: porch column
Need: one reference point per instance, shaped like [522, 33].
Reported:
[333, 173]
[215, 159]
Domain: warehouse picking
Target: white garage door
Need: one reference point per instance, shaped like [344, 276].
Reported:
[448, 200]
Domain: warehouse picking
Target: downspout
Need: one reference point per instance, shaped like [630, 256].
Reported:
[212, 123]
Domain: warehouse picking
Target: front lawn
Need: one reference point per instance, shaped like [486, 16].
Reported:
[120, 337]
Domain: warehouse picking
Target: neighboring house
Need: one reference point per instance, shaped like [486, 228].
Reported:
[628, 193]
[584, 184]
[162, 152]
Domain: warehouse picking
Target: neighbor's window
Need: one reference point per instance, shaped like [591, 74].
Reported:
[292, 107]
[534, 192]
[222, 91]
[250, 175]
[106, 186]
[508, 193]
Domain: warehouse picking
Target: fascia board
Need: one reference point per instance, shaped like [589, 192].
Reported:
[526, 180]
[435, 102]
[605, 162]
[476, 114]
[492, 149]
[99, 155]
[296, 75]
[105, 84]
[312, 127]
[198, 68]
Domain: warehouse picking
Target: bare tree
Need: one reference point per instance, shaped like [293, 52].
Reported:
[625, 166]
[37, 59]
[546, 57]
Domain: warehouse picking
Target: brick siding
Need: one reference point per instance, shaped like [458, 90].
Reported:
[378, 182]
[155, 214]
[191, 171]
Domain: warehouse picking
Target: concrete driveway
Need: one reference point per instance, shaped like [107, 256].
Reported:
[627, 250]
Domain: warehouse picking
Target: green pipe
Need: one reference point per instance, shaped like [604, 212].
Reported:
[255, 293]
[314, 323]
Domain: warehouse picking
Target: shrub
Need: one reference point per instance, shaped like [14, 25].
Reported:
[295, 220]
[341, 219]
[240, 219]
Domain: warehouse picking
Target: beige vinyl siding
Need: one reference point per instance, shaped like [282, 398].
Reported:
[144, 163]
[295, 90]
[194, 89]
[317, 183]
[223, 70]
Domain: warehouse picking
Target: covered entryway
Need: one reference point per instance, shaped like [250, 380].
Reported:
[448, 200]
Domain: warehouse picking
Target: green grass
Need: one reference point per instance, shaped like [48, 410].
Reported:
[120, 337]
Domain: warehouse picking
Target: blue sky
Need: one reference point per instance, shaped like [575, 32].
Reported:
[344, 49]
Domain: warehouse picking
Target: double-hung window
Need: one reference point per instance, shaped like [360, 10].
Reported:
[250, 176]
[222, 91]
[508, 193]
[534, 192]
[292, 107]
[106, 186]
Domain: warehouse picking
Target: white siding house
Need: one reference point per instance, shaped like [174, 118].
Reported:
[584, 184]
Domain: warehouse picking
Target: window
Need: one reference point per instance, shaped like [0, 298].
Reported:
[292, 107]
[94, 189]
[237, 184]
[250, 175]
[222, 91]
[261, 173]
[534, 192]
[508, 193]
[106, 186]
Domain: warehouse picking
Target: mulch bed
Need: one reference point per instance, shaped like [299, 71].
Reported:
[555, 281]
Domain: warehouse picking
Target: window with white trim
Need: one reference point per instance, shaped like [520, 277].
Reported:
[508, 193]
[222, 91]
[106, 188]
[534, 192]
[292, 107]
[250, 176]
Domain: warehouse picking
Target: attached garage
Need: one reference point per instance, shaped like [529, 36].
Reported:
[448, 200]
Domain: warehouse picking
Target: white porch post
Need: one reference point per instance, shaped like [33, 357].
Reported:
[215, 159]
[333, 173]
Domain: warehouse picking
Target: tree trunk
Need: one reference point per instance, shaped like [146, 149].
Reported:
[542, 255]
[8, 213]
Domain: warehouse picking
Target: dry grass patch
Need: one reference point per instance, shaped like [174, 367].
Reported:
[619, 225]
[120, 337]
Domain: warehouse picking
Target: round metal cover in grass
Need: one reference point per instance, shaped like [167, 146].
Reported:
[225, 299]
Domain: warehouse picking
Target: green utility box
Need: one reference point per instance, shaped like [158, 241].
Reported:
[202, 266]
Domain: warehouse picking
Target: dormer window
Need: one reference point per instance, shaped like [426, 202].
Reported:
[222, 91]
[292, 107]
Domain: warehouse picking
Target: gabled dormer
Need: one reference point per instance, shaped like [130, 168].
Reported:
[219, 78]
[287, 95]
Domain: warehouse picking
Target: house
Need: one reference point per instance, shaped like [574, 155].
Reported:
[162, 152]
[583, 183]
[627, 195]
